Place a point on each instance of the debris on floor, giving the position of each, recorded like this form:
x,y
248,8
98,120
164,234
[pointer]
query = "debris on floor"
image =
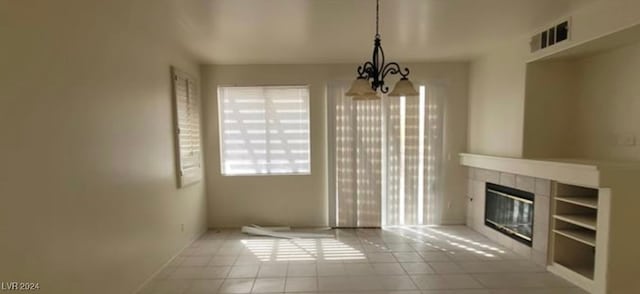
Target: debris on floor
x,y
283,232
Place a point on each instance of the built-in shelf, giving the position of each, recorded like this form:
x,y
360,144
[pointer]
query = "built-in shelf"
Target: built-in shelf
x,y
575,225
578,275
584,220
585,271
574,255
585,236
589,202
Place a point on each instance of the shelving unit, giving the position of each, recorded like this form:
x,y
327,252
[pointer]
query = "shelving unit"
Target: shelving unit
x,y
574,227
575,256
587,221
585,236
590,202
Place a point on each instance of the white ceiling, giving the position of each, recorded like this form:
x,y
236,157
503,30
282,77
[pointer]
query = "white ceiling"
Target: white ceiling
x,y
335,31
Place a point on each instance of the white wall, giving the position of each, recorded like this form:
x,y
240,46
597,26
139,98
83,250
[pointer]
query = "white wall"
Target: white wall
x,y
609,103
584,107
496,102
303,200
497,79
88,193
551,109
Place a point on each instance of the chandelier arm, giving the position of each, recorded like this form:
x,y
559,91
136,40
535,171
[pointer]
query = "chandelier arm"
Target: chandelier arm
x,y
394,68
364,70
404,73
360,72
391,68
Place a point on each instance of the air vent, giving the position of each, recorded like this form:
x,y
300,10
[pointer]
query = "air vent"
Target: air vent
x,y
550,37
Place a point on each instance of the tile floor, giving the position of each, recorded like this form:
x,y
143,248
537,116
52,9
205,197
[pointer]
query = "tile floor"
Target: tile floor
x,y
407,260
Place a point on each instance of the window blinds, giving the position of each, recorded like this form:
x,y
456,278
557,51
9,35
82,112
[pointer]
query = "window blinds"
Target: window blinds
x,y
187,124
264,130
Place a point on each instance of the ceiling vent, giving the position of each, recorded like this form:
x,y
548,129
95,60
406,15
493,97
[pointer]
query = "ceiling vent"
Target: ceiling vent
x,y
551,36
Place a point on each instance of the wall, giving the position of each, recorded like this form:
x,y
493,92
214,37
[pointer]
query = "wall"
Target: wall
x,y
303,200
608,105
550,109
497,78
496,102
584,107
88,183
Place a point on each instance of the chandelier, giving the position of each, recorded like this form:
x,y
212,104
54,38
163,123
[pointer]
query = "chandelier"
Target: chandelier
x,y
371,74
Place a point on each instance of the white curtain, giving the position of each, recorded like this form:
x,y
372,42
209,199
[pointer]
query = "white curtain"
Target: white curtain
x,y
413,158
434,96
387,158
357,163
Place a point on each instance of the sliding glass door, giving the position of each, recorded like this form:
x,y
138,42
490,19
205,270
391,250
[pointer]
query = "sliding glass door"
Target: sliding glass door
x,y
384,158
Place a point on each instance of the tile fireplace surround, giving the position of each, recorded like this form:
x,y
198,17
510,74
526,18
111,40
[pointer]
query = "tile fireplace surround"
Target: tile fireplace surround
x,y
593,203
541,188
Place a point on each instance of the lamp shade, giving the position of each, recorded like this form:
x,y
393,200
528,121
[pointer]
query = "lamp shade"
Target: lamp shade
x,y
404,87
375,96
360,88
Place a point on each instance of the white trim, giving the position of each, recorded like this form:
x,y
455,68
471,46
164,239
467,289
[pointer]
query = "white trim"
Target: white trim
x,y
602,241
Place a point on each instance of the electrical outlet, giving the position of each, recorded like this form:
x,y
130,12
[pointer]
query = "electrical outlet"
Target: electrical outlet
x,y
627,140
181,227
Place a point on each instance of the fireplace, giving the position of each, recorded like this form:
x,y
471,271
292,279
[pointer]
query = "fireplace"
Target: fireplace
x,y
509,211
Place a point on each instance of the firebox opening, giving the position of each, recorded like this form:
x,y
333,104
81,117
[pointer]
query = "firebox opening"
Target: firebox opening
x,y
510,211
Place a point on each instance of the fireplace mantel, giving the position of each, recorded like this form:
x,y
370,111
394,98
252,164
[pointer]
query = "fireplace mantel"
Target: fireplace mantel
x,y
580,172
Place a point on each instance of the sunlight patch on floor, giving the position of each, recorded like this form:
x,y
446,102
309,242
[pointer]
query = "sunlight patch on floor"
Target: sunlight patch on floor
x,y
457,241
302,250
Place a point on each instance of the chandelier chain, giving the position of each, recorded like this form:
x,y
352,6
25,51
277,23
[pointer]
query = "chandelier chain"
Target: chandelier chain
x,y
377,18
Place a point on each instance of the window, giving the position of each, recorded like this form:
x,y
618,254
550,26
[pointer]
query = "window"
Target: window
x,y
187,124
264,130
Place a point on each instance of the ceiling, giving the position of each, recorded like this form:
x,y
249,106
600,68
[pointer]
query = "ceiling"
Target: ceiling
x,y
338,31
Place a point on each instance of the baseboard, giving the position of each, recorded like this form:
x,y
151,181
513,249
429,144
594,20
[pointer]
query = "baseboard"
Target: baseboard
x,y
238,227
453,222
150,278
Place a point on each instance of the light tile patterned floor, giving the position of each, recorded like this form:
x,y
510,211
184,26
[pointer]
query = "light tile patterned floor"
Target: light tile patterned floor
x,y
407,260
